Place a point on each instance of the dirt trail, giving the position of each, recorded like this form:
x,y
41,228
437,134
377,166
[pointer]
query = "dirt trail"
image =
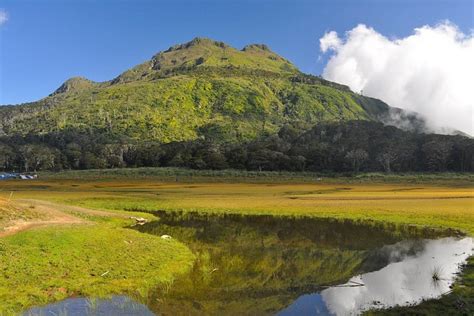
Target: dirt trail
x,y
71,208
51,214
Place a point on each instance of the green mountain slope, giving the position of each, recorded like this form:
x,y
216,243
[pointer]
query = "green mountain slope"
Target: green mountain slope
x,y
195,90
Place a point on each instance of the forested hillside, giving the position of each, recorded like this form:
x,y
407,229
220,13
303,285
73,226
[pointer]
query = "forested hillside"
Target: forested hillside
x,y
204,104
327,147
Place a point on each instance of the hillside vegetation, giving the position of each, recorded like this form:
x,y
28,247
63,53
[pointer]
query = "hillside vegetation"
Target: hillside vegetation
x,y
192,90
206,105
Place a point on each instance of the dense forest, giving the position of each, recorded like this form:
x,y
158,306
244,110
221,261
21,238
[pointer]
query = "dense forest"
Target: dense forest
x,y
352,146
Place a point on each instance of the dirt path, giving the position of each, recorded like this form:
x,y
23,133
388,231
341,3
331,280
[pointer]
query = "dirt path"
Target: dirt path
x,y
70,208
51,214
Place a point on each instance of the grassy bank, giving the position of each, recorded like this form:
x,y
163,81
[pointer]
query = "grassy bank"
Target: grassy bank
x,y
94,259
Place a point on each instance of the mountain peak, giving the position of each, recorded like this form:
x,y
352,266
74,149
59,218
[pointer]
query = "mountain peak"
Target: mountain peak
x,y
74,84
203,52
206,52
198,42
256,47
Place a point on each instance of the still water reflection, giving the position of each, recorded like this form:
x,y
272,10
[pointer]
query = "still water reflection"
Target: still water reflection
x,y
116,305
265,265
400,283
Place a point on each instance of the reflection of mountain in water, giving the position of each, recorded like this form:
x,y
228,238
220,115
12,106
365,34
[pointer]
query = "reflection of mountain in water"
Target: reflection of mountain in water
x,y
261,264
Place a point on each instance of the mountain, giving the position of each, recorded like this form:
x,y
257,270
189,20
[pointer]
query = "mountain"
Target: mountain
x,y
195,90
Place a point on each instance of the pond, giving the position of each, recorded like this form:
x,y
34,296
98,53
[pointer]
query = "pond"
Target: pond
x,y
267,265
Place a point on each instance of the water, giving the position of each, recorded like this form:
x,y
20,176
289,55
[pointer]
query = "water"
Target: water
x,y
116,306
264,265
400,283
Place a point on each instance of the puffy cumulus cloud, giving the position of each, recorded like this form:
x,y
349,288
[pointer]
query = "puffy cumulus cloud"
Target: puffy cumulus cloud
x,y
329,41
430,72
3,16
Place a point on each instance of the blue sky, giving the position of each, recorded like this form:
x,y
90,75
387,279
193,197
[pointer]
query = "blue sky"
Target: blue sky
x,y
43,42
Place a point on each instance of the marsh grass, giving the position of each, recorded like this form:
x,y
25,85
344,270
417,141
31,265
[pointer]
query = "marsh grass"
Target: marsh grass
x,y
436,274
440,205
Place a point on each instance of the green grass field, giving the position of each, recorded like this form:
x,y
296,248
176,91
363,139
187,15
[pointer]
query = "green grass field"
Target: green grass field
x,y
50,263
95,256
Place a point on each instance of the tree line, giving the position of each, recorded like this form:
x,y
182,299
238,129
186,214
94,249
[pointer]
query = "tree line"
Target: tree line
x,y
352,146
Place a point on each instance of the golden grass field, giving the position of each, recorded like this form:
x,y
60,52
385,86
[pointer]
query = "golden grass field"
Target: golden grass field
x,y
422,204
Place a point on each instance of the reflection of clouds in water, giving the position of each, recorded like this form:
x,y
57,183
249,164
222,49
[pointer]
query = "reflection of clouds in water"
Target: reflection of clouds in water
x,y
399,283
404,282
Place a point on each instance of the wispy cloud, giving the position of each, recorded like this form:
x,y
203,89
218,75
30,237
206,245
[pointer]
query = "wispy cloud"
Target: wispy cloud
x,y
430,71
3,17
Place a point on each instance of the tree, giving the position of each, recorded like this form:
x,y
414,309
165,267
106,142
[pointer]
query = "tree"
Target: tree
x,y
436,154
297,163
386,158
73,155
114,154
237,156
356,157
6,156
37,157
214,158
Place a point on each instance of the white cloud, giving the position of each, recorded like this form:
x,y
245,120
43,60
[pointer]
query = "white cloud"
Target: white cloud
x,y
430,71
3,16
329,41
